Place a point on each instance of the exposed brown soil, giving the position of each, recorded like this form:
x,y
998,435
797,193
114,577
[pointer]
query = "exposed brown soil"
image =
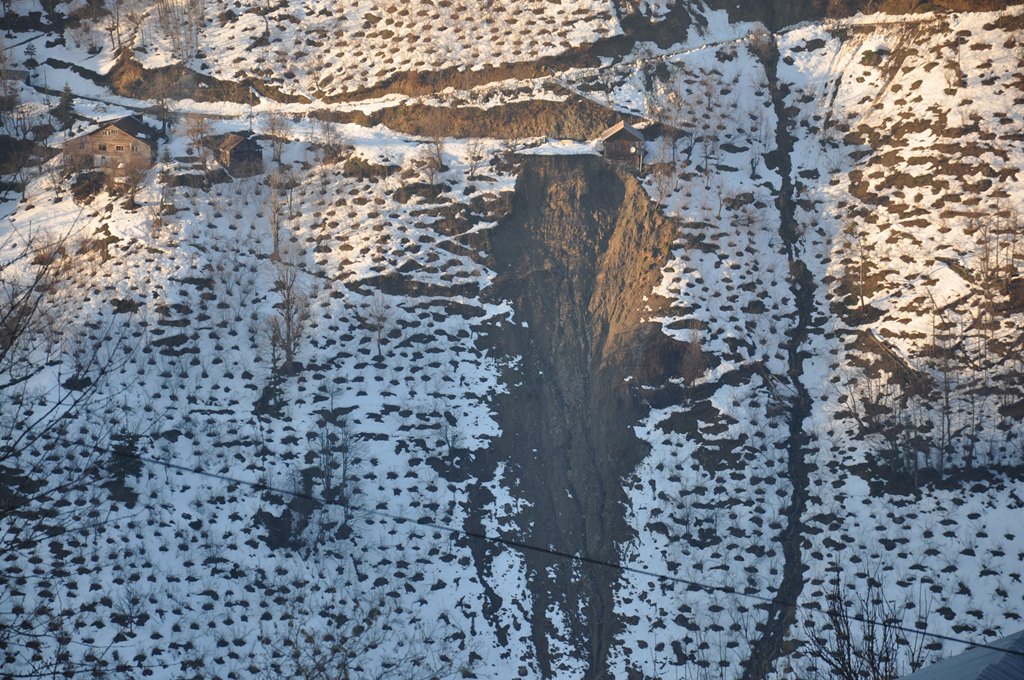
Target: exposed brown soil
x,y
575,118
130,79
418,83
580,252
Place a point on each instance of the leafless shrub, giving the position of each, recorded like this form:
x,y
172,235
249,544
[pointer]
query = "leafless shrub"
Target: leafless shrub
x,y
863,636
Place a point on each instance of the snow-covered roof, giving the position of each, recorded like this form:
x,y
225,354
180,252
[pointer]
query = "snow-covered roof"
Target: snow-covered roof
x,y
132,125
980,663
622,126
234,139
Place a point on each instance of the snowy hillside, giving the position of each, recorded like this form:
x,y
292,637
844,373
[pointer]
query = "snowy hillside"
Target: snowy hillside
x,y
385,388
431,396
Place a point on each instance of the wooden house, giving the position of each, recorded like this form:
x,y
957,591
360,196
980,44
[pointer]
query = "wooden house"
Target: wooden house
x,y
241,155
623,143
116,146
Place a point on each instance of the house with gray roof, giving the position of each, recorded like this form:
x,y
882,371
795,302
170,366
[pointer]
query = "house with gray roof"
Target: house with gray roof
x,y
980,663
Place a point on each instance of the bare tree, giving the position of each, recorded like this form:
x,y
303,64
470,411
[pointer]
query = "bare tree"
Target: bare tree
x,y
477,152
433,159
451,434
133,14
128,181
860,254
942,359
694,361
114,24
379,315
6,90
197,128
161,89
337,456
129,609
277,129
316,72
288,322
48,469
1013,227
180,21
324,141
275,212
86,36
290,180
864,636
371,637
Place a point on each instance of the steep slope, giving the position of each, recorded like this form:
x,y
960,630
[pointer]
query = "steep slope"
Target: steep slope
x,y
865,410
710,502
577,258
363,46
780,615
907,211
776,372
261,518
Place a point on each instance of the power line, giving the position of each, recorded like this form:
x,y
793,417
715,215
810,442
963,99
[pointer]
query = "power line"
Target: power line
x,y
577,557
528,547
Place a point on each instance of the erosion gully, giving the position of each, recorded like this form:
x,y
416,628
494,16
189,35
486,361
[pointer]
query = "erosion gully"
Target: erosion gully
x,y
766,649
578,258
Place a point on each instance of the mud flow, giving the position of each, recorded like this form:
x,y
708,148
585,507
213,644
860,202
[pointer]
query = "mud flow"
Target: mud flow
x,y
578,258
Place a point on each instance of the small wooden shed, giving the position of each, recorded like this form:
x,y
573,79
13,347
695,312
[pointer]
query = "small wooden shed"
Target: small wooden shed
x,y
241,155
623,143
115,146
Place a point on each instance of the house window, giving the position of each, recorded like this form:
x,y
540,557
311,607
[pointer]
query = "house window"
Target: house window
x,y
103,147
135,147
119,147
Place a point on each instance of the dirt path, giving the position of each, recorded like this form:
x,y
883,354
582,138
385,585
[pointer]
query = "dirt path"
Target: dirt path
x,y
577,257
